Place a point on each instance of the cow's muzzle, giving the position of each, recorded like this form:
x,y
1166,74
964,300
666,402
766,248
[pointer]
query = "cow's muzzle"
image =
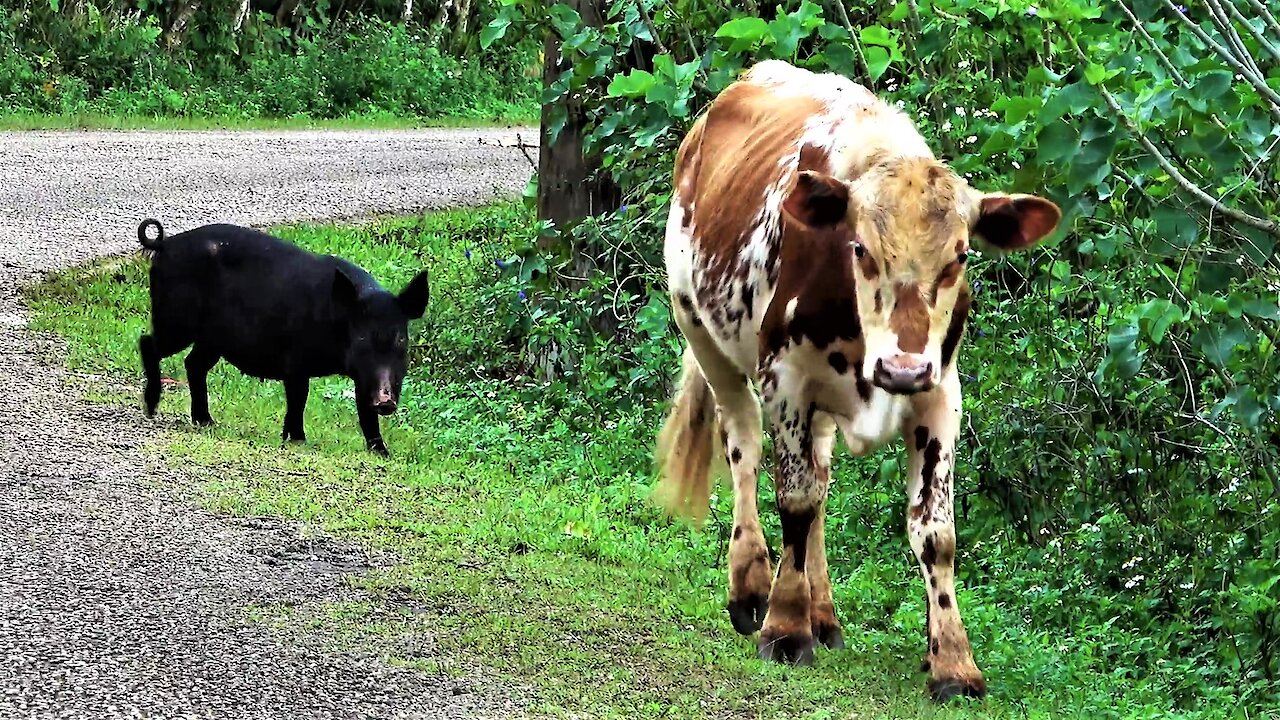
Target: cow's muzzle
x,y
903,374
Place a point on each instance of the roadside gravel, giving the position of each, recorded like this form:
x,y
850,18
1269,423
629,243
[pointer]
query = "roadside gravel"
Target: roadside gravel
x,y
118,598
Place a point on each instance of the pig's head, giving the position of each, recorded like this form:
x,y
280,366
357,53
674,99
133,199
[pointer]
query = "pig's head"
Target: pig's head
x,y
378,347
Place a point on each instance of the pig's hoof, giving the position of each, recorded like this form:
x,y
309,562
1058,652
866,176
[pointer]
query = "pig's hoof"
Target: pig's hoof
x,y
205,421
378,447
288,437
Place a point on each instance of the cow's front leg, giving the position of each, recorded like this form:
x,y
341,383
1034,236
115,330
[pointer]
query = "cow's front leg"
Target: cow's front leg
x,y
826,627
801,485
931,440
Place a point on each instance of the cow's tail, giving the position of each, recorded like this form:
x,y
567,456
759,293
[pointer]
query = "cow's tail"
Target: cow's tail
x,y
148,242
688,445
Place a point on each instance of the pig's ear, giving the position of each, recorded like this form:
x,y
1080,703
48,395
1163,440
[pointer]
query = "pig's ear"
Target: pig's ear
x,y
345,292
413,299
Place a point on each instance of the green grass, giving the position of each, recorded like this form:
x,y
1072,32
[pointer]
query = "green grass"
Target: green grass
x,y
96,121
528,544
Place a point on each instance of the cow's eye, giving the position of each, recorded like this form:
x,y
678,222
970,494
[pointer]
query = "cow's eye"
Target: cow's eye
x,y
859,250
963,257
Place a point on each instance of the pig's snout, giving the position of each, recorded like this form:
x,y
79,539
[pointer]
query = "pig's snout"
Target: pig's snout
x,y
384,401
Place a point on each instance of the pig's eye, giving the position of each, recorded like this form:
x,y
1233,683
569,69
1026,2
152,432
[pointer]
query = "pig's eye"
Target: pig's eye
x,y
400,340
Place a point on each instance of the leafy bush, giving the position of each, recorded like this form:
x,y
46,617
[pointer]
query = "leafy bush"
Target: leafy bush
x,y
1119,469
115,64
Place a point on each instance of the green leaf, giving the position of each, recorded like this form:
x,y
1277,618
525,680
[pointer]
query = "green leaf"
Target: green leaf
x,y
1095,73
1262,308
1213,85
877,35
493,31
1059,141
1156,316
53,5
636,83
745,32
1216,342
877,61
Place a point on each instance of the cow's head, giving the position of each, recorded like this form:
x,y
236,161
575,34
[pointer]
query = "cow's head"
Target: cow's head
x,y
909,224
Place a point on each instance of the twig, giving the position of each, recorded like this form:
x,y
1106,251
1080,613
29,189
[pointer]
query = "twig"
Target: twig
x,y
1268,226
1164,59
1266,15
853,35
653,29
1228,31
524,150
1263,89
1257,35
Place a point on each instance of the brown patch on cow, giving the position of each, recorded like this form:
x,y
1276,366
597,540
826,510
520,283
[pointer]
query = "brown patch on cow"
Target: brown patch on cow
x,y
922,436
932,456
816,270
879,302
815,158
955,328
737,532
933,646
744,121
944,601
910,318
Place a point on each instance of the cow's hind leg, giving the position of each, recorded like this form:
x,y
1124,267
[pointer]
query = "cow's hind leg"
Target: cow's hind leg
x,y
738,411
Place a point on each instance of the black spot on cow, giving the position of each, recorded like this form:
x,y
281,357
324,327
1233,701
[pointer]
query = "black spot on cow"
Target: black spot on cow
x,y
864,388
934,645
932,455
922,436
879,301
736,456
839,362
737,532
944,601
686,302
955,328
930,554
795,533
748,298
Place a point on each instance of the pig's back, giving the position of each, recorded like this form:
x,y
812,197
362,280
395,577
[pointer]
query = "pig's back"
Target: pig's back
x,y
263,304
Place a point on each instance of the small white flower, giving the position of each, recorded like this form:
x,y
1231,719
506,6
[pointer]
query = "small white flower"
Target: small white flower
x,y
946,126
963,64
1187,585
1016,166
960,111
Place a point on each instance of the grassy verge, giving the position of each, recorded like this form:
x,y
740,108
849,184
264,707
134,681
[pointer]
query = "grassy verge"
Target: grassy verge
x,y
94,121
520,512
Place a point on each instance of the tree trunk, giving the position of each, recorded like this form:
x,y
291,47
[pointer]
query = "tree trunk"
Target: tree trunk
x,y
406,12
286,11
569,184
460,26
436,29
177,32
242,14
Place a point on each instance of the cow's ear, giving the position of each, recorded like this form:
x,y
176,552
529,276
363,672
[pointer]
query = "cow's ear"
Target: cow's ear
x,y
1015,222
817,200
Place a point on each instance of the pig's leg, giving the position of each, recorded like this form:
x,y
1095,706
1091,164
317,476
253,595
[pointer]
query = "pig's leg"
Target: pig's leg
x,y
295,395
369,426
199,362
153,349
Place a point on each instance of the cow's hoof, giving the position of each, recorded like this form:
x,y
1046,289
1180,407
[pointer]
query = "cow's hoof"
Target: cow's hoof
x,y
747,614
943,690
830,636
793,649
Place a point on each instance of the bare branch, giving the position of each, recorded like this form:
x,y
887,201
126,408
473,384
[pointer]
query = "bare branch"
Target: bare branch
x,y
524,150
1228,31
1164,59
653,29
1272,98
1268,226
1266,15
853,35
1257,35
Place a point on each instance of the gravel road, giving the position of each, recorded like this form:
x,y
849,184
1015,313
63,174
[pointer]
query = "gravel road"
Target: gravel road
x,y
118,598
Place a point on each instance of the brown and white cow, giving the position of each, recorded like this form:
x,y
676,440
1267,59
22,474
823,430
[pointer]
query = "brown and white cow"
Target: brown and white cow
x,y
816,248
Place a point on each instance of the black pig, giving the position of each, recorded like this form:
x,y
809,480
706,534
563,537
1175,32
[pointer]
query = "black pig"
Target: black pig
x,y
278,312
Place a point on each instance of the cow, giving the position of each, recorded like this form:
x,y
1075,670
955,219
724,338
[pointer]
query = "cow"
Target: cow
x,y
815,253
